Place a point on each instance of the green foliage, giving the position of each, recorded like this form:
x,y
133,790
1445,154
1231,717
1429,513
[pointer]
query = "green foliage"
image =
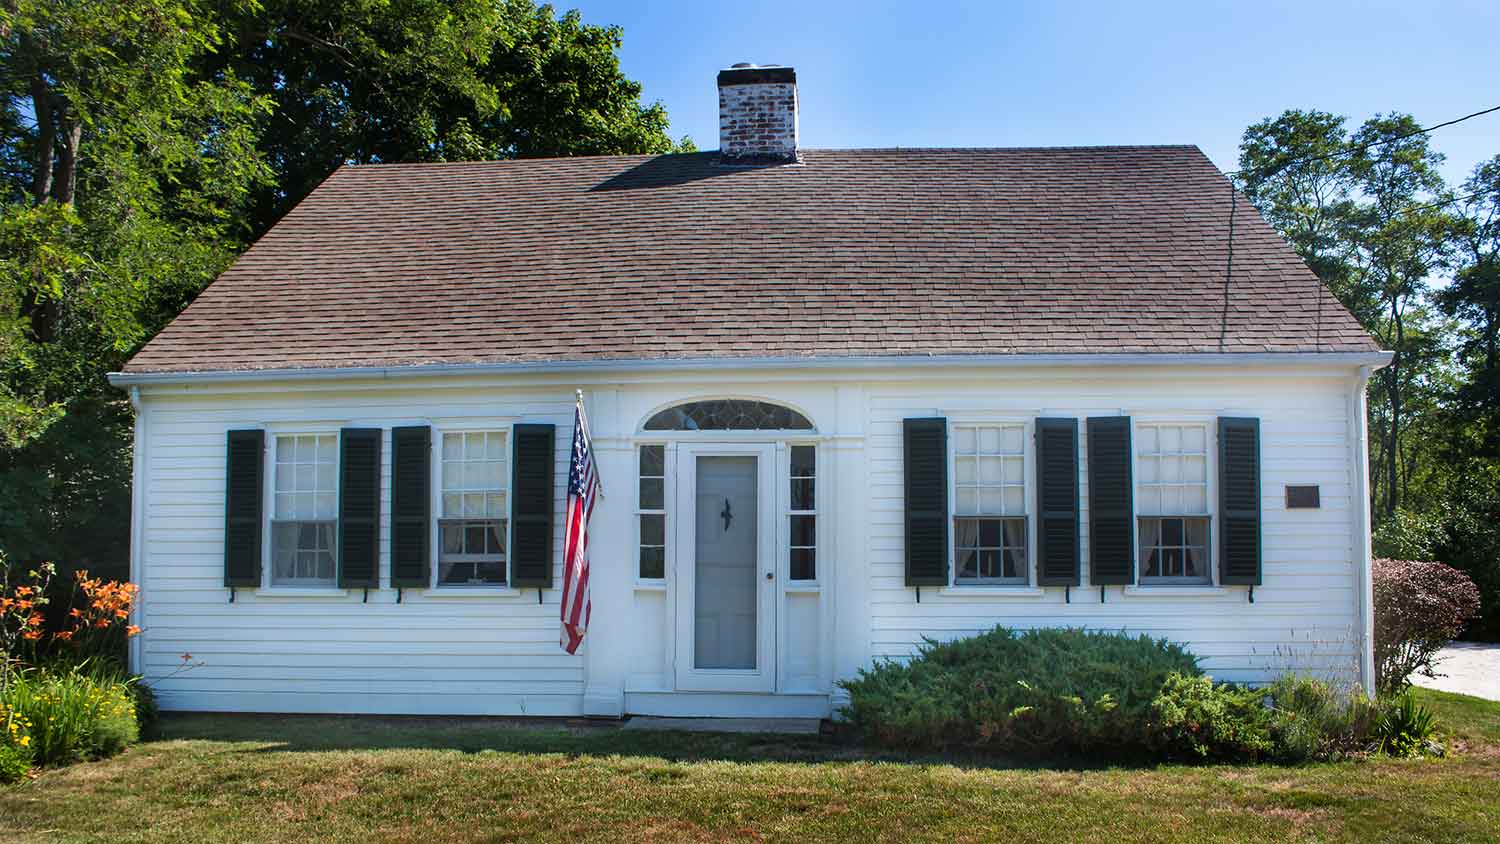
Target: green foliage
x,y
15,764
73,713
1026,692
1313,720
1406,535
1405,727
361,81
1195,718
147,711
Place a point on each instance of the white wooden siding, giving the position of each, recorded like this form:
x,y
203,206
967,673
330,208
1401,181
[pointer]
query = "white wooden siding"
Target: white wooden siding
x,y
498,654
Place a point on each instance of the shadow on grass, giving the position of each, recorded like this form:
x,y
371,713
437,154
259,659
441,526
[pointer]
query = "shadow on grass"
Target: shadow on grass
x,y
567,737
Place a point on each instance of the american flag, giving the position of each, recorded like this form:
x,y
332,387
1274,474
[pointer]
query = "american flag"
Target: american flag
x,y
583,488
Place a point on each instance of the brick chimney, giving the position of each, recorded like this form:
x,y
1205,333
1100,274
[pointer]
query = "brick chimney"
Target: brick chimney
x,y
758,114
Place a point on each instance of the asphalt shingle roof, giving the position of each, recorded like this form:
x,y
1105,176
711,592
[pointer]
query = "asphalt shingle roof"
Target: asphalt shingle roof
x,y
851,253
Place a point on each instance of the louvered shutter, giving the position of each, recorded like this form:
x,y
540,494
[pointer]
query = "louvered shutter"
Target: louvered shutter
x,y
532,505
243,507
411,506
1239,501
359,508
1057,502
926,469
1111,502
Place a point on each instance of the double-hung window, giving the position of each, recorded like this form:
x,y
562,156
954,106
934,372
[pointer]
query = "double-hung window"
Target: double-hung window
x,y
989,490
1172,503
472,520
304,520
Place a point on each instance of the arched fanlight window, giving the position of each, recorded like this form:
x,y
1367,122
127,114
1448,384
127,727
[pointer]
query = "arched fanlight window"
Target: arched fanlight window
x,y
728,415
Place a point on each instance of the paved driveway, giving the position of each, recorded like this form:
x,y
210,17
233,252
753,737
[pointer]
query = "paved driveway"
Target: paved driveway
x,y
1472,668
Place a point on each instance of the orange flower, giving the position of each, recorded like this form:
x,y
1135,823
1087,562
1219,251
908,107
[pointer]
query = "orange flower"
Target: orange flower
x,y
132,630
23,591
35,620
121,613
186,657
102,623
24,605
76,612
31,635
64,635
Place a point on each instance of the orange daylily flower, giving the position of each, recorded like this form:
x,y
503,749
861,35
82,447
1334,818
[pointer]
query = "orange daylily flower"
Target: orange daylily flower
x,y
31,635
132,630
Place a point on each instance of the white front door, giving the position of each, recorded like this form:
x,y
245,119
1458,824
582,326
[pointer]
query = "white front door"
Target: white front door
x,y
726,568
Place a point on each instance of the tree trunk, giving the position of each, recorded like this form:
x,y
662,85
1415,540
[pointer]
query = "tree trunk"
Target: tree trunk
x,y
1393,395
41,104
66,183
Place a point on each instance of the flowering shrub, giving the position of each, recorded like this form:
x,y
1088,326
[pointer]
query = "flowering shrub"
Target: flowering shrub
x,y
71,713
1419,608
76,705
15,744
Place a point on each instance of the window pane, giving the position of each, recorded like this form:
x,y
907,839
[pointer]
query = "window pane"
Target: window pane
x,y
804,564
989,533
453,539
968,563
802,494
653,530
728,415
474,538
1015,563
494,446
653,563
804,531
966,533
989,440
1153,564
989,563
804,461
495,543
652,493
653,460
965,440
452,505
453,446
967,501
1171,531
963,470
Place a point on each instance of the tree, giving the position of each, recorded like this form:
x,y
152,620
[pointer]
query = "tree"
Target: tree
x,y
1474,298
1400,237
362,81
123,184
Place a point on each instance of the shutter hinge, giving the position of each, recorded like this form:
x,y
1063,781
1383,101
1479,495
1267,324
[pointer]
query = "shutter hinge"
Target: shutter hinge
x,y
231,594
1067,593
1252,593
1102,590
919,594
539,596
399,590
367,596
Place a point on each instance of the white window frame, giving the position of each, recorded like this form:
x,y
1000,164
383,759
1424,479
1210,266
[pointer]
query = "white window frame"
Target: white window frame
x,y
1211,495
434,581
664,512
1027,424
268,503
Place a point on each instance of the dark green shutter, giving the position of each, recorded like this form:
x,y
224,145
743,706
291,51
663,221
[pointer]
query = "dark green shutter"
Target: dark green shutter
x,y
532,468
243,507
1239,501
359,508
1111,499
411,506
926,469
1057,500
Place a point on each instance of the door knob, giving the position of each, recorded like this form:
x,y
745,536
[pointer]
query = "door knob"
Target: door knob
x,y
770,575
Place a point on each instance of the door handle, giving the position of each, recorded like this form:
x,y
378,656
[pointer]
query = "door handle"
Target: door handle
x,y
770,575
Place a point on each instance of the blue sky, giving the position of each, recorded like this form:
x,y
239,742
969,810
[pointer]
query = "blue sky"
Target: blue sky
x,y
883,74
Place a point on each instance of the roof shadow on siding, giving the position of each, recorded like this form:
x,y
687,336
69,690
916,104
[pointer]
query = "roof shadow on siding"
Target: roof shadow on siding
x,y
673,169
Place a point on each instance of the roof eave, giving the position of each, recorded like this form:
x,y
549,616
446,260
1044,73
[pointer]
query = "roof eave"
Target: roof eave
x,y
1371,359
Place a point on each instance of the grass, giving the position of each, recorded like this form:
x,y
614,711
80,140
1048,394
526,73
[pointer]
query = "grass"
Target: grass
x,y
248,779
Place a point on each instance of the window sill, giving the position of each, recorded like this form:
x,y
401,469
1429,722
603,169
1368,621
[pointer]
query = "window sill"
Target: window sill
x,y
1167,590
650,586
992,591
463,592
795,587
301,592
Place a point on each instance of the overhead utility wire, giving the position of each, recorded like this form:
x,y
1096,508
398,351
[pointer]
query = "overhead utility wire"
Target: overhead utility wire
x,y
1356,148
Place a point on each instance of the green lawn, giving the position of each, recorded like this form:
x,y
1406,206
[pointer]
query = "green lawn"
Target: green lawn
x,y
303,779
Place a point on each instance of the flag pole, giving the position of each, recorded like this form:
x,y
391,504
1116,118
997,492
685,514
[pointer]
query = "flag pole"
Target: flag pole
x,y
583,415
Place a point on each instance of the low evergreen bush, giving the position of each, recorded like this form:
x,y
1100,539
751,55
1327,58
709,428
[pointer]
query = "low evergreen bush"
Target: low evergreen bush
x,y
1196,719
1031,692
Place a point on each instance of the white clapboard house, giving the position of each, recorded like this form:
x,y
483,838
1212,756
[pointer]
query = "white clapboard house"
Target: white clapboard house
x,y
841,400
